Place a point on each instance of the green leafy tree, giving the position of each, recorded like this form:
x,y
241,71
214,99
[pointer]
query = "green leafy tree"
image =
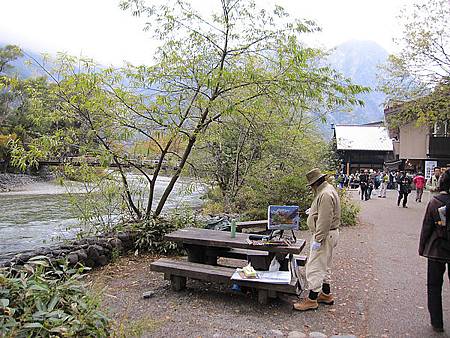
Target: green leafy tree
x,y
206,70
15,122
8,54
418,77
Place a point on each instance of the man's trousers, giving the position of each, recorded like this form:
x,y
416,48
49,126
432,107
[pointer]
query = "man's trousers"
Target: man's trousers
x,y
404,196
318,266
419,192
435,279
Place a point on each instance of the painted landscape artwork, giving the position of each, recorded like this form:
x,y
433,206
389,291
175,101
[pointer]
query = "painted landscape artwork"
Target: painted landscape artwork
x,y
283,217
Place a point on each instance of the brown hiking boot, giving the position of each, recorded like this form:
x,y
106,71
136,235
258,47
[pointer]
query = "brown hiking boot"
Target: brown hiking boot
x,y
306,304
325,299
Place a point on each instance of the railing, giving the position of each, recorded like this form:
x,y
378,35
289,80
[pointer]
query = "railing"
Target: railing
x,y
94,162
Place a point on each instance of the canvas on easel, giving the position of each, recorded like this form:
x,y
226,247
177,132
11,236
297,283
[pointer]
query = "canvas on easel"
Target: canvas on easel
x,y
283,217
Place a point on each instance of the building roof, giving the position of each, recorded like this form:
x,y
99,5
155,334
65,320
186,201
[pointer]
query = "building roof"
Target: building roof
x,y
363,137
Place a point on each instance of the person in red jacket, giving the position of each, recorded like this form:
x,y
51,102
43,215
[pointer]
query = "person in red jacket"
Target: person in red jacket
x,y
419,182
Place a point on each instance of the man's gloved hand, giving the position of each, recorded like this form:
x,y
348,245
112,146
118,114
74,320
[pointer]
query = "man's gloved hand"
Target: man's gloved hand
x,y
315,245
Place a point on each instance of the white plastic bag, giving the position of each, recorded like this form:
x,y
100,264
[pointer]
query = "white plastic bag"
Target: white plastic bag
x,y
274,265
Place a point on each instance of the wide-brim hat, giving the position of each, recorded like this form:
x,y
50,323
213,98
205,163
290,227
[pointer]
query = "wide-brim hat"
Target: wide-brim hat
x,y
313,176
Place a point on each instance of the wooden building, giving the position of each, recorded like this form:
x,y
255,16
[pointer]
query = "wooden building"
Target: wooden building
x,y
366,146
420,148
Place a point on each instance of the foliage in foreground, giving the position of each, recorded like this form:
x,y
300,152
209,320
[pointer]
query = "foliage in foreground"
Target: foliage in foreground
x,y
349,209
41,299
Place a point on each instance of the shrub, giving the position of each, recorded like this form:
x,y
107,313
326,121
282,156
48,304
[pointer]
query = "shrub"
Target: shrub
x,y
277,189
349,209
150,233
41,299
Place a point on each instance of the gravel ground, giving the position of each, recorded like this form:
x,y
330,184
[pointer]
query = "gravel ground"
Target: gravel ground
x,y
379,285
398,305
11,182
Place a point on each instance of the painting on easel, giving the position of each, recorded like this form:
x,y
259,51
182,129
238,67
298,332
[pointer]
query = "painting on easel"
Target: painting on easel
x,y
283,217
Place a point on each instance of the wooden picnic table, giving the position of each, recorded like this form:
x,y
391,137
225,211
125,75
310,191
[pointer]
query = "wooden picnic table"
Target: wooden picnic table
x,y
205,246
205,238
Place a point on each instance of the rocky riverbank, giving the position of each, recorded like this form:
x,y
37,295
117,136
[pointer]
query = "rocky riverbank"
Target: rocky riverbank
x,y
11,182
92,252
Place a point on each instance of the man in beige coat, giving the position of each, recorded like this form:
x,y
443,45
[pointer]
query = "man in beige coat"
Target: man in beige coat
x,y
323,220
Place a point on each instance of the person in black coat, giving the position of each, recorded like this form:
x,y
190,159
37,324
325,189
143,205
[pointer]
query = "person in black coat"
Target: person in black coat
x,y
364,184
435,245
404,188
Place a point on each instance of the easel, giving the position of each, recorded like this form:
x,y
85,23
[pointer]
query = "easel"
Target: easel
x,y
280,232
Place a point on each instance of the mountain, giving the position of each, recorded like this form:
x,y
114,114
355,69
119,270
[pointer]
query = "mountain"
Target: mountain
x,y
359,61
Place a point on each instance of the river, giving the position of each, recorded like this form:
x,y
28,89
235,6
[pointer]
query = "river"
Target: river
x,y
39,214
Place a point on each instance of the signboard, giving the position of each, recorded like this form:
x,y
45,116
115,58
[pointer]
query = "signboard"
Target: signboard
x,y
283,217
429,168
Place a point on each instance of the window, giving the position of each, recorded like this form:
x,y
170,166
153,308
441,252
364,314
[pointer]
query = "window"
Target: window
x,y
441,129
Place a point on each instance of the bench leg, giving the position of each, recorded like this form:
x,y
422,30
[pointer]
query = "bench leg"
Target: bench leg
x,y
263,296
196,254
178,283
211,256
259,262
211,259
272,294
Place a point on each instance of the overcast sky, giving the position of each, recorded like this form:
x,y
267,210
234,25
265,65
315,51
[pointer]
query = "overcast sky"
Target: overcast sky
x,y
99,29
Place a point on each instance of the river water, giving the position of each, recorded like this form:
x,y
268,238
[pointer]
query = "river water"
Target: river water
x,y
40,214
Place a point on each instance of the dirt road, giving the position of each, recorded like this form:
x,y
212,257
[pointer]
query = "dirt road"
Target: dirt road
x,y
397,304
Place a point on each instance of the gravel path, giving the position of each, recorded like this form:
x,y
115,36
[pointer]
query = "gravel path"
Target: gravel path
x,y
379,284
397,305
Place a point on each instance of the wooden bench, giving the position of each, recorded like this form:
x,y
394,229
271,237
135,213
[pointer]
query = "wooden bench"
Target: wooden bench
x,y
251,224
177,271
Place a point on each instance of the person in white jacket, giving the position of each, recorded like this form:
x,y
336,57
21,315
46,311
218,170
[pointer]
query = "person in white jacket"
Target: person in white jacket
x,y
433,183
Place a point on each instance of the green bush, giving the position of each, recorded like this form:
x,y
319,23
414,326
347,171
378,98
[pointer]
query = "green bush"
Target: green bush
x,y
150,233
41,299
349,209
277,189
289,190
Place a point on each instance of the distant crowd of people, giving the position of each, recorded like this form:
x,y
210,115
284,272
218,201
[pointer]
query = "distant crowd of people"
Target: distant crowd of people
x,y
368,180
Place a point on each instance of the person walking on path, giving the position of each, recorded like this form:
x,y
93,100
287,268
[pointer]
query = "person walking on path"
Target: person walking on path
x,y
384,178
364,184
370,186
377,181
404,188
435,245
432,183
323,221
419,182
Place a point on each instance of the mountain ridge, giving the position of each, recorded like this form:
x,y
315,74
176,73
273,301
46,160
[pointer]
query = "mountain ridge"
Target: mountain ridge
x,y
359,60
355,59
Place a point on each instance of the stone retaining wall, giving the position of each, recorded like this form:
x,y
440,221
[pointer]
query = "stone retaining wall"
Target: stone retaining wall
x,y
92,252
